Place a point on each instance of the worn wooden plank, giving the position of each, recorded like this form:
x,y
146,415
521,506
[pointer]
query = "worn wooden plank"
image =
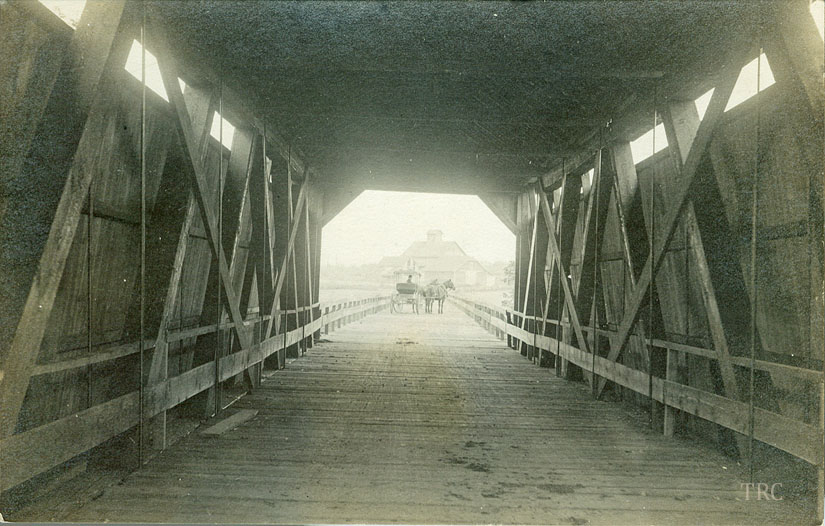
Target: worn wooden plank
x,y
681,123
533,214
29,453
83,359
625,185
229,423
241,164
584,280
292,251
788,372
308,269
549,278
569,204
200,107
261,242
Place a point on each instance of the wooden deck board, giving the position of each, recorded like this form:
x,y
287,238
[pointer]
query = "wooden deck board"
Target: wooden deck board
x,y
427,419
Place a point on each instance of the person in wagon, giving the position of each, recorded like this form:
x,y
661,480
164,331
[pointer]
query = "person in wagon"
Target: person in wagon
x,y
409,278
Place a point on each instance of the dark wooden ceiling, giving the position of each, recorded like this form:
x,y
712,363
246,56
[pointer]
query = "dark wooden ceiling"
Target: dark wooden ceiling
x,y
403,94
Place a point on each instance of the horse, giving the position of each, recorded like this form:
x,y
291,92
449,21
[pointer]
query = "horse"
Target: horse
x,y
437,292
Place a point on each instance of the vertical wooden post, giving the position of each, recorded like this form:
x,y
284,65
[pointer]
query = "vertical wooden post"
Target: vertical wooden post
x,y
200,105
566,233
671,376
529,281
681,122
308,278
820,485
142,328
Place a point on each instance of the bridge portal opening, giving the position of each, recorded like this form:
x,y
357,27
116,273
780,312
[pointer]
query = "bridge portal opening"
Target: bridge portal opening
x,y
383,238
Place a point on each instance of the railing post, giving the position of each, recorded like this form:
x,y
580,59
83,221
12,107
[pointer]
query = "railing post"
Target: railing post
x,y
669,412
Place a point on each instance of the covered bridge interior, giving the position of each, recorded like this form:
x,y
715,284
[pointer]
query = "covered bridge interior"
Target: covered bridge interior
x,y
166,169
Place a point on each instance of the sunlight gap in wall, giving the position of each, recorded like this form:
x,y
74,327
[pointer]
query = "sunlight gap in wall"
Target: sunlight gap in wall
x,y
153,79
228,131
68,11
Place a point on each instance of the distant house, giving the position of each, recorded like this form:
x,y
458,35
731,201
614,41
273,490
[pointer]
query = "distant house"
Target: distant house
x,y
437,259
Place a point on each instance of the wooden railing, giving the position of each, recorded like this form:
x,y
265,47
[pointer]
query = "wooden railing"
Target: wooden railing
x,y
29,453
798,438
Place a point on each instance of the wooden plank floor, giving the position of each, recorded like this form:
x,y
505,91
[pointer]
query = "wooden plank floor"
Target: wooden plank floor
x,y
428,419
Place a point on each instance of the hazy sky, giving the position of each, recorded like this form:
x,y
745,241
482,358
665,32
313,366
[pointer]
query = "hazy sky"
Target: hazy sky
x,y
378,224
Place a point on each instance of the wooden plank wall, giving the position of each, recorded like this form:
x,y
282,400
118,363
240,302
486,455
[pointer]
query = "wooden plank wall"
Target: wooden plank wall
x,y
696,337
82,378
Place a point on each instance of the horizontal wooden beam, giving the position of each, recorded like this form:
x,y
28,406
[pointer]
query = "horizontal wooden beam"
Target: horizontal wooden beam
x,y
422,180
538,73
480,155
790,372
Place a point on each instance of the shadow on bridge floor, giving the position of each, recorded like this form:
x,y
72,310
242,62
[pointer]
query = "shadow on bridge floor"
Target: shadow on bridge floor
x,y
428,419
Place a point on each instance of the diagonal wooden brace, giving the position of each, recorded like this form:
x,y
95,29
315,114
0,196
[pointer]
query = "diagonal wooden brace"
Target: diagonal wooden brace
x,y
299,206
565,281
703,135
194,168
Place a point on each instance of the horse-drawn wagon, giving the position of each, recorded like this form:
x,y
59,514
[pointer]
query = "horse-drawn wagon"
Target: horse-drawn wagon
x,y
406,292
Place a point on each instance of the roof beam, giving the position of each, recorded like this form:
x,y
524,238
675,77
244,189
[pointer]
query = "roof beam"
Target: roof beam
x,y
538,73
319,147
536,120
413,179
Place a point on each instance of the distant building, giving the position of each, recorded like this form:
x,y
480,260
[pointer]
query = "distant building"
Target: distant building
x,y
437,259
